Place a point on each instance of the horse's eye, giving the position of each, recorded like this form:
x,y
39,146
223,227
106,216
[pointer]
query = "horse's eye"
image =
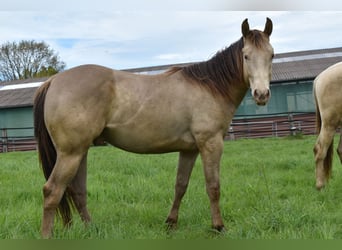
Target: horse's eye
x,y
272,56
246,57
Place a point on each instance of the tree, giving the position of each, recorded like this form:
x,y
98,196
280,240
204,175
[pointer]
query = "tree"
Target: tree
x,y
28,59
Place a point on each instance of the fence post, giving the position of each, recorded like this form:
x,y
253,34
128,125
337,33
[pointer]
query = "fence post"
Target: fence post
x,y
292,125
274,129
231,133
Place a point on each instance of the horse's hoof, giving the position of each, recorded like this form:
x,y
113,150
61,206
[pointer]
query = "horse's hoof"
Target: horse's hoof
x,y
219,229
319,186
171,224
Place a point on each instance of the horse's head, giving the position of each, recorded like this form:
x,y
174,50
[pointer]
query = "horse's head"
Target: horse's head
x,y
257,61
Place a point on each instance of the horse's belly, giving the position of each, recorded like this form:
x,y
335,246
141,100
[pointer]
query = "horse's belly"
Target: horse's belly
x,y
149,141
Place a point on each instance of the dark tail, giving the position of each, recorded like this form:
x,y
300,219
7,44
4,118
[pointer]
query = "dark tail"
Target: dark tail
x,y
329,157
46,149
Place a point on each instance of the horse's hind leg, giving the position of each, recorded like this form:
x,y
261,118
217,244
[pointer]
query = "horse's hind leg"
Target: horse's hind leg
x,y
339,148
323,144
185,165
78,190
64,171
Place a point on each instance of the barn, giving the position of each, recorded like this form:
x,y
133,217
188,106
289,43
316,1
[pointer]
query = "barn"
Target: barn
x,y
289,111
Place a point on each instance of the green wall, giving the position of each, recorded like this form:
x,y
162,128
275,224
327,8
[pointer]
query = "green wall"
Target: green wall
x,y
17,118
285,98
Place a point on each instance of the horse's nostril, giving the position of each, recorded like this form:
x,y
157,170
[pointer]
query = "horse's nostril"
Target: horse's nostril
x,y
267,93
256,93
261,95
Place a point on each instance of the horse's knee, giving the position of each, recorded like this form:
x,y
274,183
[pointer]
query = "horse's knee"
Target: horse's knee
x,y
318,152
49,200
46,190
52,196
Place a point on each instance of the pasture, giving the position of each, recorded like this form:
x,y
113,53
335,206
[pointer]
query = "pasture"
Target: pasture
x,y
267,192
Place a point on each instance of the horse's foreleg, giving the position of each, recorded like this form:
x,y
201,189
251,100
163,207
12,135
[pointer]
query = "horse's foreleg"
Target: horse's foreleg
x,y
64,171
185,165
322,145
78,191
211,153
339,149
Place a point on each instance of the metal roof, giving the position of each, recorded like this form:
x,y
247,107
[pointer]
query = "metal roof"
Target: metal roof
x,y
17,98
293,66
303,65
18,93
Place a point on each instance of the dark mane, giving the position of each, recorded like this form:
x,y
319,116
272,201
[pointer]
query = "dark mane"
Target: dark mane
x,y
220,72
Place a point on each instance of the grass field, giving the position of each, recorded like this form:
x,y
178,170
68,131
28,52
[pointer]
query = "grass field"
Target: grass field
x,y
267,192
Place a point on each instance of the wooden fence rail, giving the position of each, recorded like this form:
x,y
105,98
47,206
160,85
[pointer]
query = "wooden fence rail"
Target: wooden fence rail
x,y
276,126
9,142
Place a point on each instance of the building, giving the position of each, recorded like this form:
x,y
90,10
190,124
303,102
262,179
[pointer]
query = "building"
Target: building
x,y
291,88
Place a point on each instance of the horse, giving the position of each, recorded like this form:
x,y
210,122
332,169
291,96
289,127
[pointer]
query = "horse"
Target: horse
x,y
327,89
185,109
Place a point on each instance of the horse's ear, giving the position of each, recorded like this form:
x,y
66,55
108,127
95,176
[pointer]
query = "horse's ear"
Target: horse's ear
x,y
268,27
245,28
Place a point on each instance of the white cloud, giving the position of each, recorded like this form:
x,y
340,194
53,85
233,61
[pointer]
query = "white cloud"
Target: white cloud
x,y
128,39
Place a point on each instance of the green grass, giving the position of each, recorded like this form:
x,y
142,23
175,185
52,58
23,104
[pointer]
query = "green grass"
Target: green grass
x,y
267,192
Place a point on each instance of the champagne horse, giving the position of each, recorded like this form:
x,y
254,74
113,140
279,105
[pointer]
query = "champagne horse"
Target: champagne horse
x,y
327,92
186,110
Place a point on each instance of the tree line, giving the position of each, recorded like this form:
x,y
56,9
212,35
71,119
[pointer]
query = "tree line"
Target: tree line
x,y
28,59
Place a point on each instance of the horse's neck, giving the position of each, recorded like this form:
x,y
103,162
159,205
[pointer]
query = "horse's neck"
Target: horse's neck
x,y
239,91
223,74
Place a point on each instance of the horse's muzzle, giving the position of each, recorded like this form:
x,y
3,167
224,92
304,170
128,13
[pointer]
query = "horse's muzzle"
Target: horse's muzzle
x,y
261,97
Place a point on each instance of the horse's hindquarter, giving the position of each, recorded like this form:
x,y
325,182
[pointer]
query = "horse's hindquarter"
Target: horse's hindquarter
x,y
154,114
328,90
77,104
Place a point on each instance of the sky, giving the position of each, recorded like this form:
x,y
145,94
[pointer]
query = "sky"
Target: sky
x,y
150,33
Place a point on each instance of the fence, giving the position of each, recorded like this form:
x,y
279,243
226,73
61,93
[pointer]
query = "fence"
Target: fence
x,y
275,125
16,139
